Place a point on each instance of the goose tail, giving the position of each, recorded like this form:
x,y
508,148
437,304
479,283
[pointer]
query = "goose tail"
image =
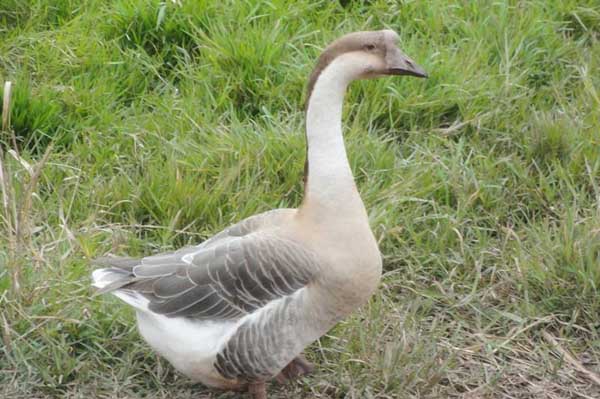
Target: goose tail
x,y
116,278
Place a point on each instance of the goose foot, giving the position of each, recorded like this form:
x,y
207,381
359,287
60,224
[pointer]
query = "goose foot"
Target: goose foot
x,y
257,390
295,369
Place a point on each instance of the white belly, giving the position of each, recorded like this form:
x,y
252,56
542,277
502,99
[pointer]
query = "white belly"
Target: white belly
x,y
190,346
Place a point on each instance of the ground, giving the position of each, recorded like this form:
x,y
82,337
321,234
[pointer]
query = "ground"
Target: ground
x,y
141,126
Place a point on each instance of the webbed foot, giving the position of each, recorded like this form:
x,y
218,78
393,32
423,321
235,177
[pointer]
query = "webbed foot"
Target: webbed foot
x,y
295,369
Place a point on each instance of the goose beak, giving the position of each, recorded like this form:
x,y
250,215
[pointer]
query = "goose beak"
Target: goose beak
x,y
400,64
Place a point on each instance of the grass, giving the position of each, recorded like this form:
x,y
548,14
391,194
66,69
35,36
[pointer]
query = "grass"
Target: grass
x,y
164,122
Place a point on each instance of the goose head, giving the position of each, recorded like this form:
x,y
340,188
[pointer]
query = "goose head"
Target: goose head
x,y
366,55
358,55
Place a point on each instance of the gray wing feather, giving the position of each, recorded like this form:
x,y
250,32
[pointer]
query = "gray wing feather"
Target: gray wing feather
x,y
229,279
225,280
227,276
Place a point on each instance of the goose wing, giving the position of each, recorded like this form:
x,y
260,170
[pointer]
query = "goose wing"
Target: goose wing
x,y
230,278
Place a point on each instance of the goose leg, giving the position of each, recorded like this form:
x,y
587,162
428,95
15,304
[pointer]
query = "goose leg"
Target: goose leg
x,y
295,369
258,390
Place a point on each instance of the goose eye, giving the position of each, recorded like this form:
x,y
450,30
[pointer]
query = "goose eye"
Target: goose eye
x,y
369,47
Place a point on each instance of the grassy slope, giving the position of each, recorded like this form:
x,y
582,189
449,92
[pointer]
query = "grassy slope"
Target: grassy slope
x,y
170,122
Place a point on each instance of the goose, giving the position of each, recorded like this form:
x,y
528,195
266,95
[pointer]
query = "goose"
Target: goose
x,y
237,310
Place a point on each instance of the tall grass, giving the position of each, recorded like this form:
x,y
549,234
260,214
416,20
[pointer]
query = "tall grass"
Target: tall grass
x,y
156,124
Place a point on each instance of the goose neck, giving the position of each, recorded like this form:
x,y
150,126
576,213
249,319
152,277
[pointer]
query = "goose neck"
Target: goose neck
x,y
329,185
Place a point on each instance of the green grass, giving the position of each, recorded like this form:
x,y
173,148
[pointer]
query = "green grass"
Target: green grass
x,y
166,122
